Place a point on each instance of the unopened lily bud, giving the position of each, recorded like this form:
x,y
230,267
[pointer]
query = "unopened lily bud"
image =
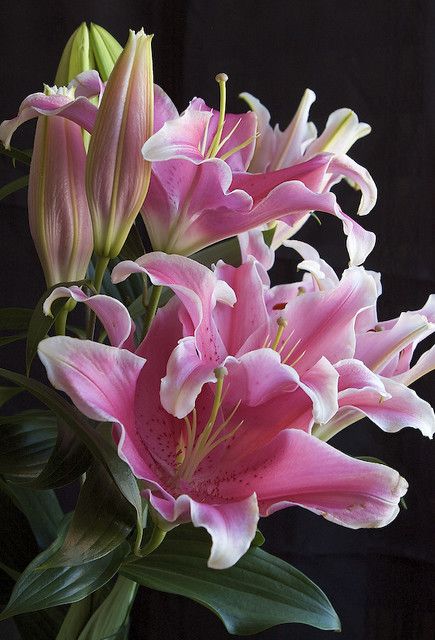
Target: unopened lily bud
x,y
105,48
117,176
88,48
76,57
59,217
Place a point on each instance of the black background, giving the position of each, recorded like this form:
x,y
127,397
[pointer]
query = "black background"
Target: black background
x,y
377,58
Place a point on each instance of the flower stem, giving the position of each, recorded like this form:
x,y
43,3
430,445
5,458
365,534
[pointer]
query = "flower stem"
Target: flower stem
x,y
156,539
152,306
60,322
100,270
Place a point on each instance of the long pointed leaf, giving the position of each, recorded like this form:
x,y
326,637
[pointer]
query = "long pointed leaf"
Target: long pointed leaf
x,y
41,509
259,592
15,185
102,450
39,588
26,444
101,521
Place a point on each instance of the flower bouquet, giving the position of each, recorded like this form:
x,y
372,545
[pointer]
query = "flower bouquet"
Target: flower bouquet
x,y
187,396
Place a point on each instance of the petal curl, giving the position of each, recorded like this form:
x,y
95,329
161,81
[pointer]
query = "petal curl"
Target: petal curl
x,y
113,315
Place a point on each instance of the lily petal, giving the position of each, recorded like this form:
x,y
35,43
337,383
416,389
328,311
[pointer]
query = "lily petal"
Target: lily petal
x,y
113,315
296,469
75,366
79,110
232,528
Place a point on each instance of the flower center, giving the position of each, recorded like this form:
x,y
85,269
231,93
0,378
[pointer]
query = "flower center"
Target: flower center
x,y
193,448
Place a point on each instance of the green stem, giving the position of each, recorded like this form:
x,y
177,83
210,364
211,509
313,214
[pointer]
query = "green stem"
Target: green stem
x,y
100,270
156,539
60,322
152,306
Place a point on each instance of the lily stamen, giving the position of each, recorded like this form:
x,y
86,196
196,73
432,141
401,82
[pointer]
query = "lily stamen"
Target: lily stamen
x,y
292,350
190,455
239,147
204,139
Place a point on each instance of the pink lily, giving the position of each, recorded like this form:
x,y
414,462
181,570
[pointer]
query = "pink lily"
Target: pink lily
x,y
385,351
319,333
374,383
276,149
234,457
200,191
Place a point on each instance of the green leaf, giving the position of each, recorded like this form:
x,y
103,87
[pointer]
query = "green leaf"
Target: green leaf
x,y
227,250
80,612
4,340
39,588
15,185
15,319
16,551
133,247
110,620
14,575
41,509
39,326
25,157
26,444
100,448
259,592
6,393
69,459
105,48
77,616
41,452
101,521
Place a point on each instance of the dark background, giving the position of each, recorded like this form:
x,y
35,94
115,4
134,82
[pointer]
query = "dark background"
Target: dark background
x,y
377,58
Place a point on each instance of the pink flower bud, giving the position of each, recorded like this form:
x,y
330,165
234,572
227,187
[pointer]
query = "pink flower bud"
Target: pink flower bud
x,y
117,176
59,218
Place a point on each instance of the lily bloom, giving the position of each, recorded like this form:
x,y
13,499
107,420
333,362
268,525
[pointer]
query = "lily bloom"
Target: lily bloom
x,y
320,333
276,149
201,190
375,382
242,448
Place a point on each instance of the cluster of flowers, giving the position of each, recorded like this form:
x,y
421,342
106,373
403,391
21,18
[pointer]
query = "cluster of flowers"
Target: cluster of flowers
x,y
224,409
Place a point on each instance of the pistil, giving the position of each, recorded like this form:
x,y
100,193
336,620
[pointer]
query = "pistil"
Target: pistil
x,y
217,143
282,323
221,79
191,450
